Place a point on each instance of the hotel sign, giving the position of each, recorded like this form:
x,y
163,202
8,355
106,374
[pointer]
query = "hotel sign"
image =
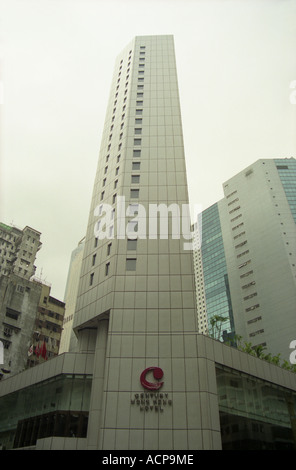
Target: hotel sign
x,y
152,399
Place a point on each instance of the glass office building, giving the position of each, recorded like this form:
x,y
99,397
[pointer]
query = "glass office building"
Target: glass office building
x,y
248,255
217,294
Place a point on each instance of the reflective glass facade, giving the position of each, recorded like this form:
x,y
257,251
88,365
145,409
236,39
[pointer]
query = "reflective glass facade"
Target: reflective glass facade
x,y
287,173
254,414
217,292
55,407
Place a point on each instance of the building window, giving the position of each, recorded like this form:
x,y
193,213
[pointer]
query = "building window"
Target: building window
x,y
137,153
91,279
107,269
100,209
11,313
239,235
254,294
133,209
136,166
139,103
134,194
131,264
117,171
138,130
249,285
258,332
249,309
109,248
132,228
137,141
232,202
135,179
241,244
131,245
139,112
246,274
235,209
244,264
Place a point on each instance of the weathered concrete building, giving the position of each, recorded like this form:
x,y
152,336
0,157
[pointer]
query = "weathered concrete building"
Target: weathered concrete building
x,y
19,300
18,249
47,332
30,318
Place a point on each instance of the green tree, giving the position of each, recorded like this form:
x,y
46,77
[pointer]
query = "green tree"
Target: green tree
x,y
216,322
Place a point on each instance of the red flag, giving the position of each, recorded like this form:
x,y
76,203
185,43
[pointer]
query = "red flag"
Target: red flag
x,y
43,350
37,350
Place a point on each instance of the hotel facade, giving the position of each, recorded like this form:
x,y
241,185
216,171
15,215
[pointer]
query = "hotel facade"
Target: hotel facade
x,y
141,377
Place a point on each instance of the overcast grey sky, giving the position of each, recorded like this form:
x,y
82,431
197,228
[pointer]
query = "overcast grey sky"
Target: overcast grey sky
x,y
236,62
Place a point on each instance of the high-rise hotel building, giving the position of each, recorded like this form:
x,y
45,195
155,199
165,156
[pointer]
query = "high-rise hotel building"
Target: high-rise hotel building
x,y
140,377
136,293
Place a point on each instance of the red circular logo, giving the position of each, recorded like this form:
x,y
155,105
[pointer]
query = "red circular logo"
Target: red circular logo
x,y
157,374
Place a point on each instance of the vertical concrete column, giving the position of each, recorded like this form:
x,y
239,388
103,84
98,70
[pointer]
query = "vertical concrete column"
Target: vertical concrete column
x,y
96,400
86,341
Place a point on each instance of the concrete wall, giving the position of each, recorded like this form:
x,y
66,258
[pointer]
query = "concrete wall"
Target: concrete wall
x,y
269,236
22,296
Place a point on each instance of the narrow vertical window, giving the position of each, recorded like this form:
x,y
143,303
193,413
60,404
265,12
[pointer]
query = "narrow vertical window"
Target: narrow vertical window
x,y
131,264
